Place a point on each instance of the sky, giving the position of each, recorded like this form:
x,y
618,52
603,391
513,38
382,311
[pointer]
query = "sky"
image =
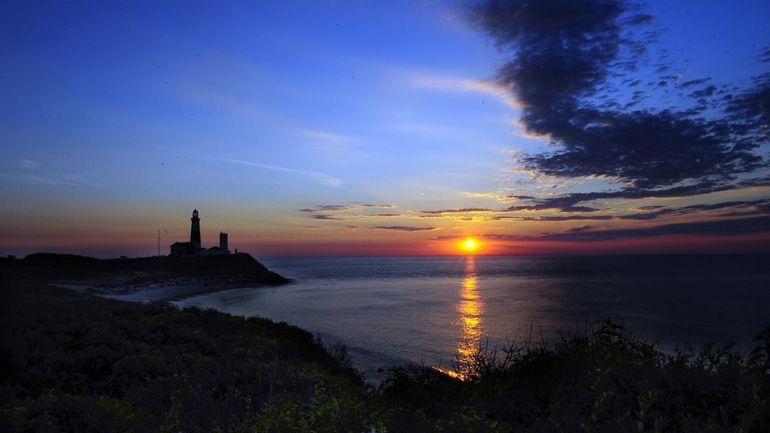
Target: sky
x,y
386,128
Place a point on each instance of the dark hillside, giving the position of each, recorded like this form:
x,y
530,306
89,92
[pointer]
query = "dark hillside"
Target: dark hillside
x,y
79,363
125,275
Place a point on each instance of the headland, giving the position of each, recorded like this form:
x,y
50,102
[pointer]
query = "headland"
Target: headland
x,y
168,277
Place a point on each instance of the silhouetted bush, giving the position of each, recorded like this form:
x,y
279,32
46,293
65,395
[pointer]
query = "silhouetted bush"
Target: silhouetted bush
x,y
605,380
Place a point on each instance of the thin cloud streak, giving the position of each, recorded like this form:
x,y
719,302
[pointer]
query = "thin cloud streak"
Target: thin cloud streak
x,y
328,137
732,227
28,164
345,207
487,87
754,225
60,180
322,177
743,207
406,228
325,217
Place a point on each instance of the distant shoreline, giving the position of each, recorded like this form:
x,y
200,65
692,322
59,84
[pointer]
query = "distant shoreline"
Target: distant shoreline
x,y
147,279
155,293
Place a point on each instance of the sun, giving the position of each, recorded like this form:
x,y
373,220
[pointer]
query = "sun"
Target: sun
x,y
469,245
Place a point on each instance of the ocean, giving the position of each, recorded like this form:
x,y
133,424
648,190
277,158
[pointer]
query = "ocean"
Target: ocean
x,y
389,311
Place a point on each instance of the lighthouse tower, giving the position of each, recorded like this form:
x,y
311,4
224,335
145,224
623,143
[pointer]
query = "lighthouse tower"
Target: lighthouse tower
x,y
223,243
195,230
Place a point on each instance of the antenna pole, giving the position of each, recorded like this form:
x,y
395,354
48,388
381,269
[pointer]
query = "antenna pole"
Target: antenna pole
x,y
158,242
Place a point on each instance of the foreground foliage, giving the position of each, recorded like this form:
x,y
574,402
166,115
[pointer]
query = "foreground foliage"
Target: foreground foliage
x,y
604,381
85,364
79,363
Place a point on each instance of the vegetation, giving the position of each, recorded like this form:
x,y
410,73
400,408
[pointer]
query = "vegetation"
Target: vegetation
x,y
82,363
604,381
79,363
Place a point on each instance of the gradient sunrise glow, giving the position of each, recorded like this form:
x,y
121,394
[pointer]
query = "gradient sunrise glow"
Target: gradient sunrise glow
x,y
383,128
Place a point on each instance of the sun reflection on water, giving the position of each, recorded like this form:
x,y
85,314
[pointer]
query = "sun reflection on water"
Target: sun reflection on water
x,y
470,308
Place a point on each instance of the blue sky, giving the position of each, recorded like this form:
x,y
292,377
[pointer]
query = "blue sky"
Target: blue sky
x,y
131,114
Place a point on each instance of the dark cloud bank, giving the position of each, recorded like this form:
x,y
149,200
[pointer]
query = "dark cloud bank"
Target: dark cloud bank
x,y
576,66
582,73
565,57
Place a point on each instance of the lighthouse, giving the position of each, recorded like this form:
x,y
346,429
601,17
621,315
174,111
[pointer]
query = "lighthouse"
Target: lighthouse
x,y
194,248
223,243
195,230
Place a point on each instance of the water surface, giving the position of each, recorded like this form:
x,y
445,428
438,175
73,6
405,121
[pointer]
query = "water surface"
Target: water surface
x,y
436,310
